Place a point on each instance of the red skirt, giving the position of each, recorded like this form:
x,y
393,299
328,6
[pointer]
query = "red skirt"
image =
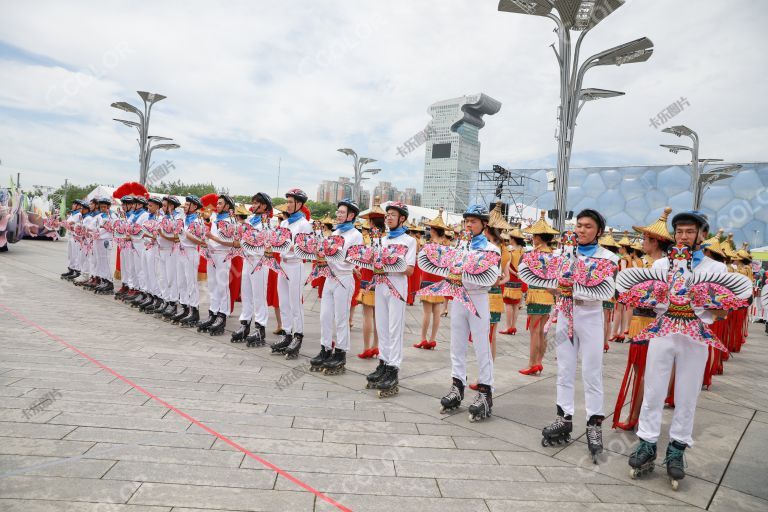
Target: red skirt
x,y
235,273
356,292
414,283
632,382
273,301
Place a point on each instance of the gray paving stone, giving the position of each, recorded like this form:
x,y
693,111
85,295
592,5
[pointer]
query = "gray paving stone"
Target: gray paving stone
x,y
425,454
474,472
172,495
34,430
167,455
260,446
232,418
192,475
364,484
25,465
174,424
534,506
318,412
533,491
360,438
355,426
45,447
325,464
629,494
746,471
260,431
727,500
12,505
72,489
115,435
389,503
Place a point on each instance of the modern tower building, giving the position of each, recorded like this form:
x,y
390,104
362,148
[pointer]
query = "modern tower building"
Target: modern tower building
x,y
453,150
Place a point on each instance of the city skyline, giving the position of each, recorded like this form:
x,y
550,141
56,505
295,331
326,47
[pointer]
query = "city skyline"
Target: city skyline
x,y
360,76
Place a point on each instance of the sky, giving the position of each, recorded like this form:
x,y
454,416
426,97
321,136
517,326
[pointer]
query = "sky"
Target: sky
x,y
253,83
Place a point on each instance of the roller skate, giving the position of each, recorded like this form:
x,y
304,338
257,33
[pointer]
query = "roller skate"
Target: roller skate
x,y
203,325
387,384
595,436
675,461
292,350
69,273
218,325
242,332
481,407
257,339
335,364
643,459
316,363
280,346
559,430
191,319
454,397
373,377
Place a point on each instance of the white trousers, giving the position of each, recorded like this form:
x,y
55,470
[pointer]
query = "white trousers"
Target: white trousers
x,y
462,324
390,320
587,339
186,276
218,282
167,263
253,292
126,271
689,358
102,258
137,264
289,292
149,262
71,253
334,311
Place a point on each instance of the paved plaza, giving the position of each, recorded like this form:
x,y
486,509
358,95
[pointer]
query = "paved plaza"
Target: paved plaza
x,y
103,408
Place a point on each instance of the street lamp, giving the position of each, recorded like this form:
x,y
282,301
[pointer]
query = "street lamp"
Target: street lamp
x,y
142,126
577,15
359,162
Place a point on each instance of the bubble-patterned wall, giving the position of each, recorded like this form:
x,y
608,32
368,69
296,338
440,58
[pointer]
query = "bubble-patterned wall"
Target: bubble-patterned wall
x,y
630,196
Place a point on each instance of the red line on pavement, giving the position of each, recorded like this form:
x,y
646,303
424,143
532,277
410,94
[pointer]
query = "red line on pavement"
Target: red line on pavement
x,y
181,413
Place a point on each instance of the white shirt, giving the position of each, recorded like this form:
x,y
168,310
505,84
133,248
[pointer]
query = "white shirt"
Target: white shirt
x,y
101,219
409,242
186,242
351,237
300,226
212,244
707,265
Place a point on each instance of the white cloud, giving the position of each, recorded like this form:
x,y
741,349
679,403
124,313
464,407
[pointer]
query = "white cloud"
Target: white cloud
x,y
251,82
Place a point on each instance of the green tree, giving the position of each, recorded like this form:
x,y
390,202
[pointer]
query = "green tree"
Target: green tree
x,y
179,188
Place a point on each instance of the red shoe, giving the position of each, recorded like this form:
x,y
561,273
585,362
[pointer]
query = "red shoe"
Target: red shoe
x,y
375,352
606,347
619,339
366,354
669,403
626,425
626,333
540,367
613,338
473,387
533,370
431,345
511,331
423,344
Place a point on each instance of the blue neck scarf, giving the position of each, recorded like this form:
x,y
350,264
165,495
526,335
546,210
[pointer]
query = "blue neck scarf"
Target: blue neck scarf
x,y
255,220
152,216
478,242
191,217
73,212
394,233
588,250
697,258
345,226
222,216
295,216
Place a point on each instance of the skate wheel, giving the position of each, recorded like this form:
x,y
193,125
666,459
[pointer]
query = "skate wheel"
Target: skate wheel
x,y
471,418
594,459
544,442
633,473
675,484
380,394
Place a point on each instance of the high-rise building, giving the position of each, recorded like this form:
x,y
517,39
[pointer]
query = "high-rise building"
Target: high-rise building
x,y
387,192
452,156
330,191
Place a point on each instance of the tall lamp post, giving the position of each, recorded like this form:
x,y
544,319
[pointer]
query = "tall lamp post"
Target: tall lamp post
x,y
701,180
580,16
142,126
359,162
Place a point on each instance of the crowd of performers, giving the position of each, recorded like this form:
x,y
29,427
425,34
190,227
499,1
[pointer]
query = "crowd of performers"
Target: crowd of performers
x,y
681,298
